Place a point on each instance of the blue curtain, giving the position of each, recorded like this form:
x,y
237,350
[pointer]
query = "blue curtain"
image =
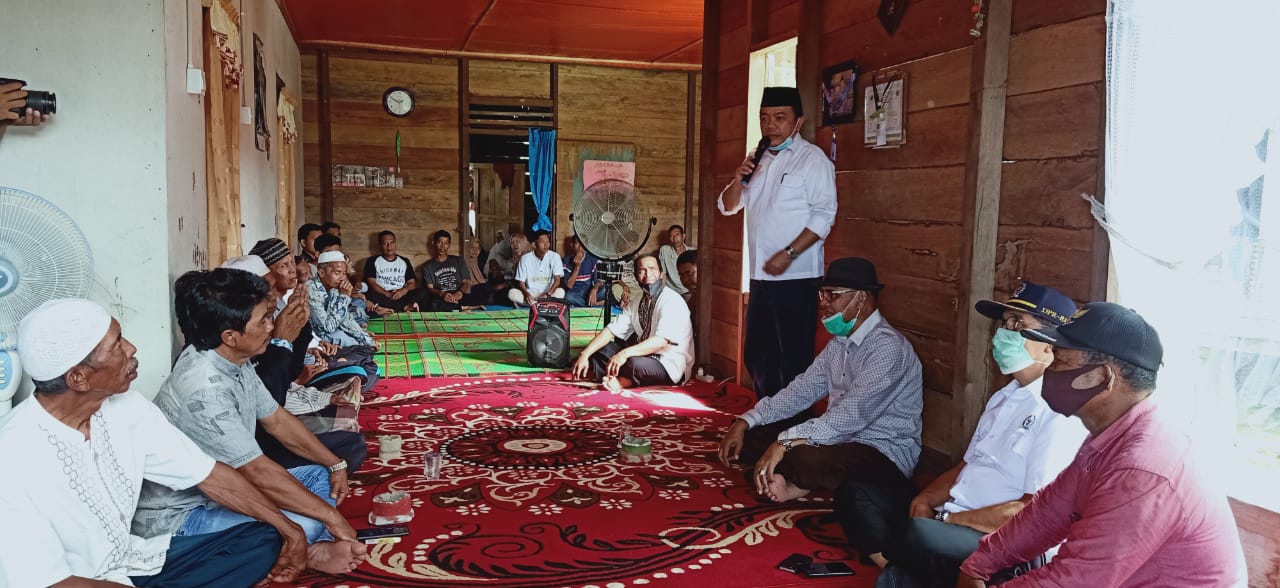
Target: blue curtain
x,y
542,169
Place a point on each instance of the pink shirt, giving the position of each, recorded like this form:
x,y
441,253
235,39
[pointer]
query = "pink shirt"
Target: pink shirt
x,y
1132,512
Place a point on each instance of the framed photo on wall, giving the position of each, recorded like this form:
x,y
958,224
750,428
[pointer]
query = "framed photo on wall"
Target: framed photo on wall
x,y
839,100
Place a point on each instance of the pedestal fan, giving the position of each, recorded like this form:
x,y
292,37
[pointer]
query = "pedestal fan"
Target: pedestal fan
x,y
43,256
608,220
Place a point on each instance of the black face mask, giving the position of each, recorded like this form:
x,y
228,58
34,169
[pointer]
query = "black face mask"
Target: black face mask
x,y
1061,394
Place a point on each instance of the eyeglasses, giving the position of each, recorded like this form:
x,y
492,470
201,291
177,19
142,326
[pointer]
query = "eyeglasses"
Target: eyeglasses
x,y
828,295
1012,323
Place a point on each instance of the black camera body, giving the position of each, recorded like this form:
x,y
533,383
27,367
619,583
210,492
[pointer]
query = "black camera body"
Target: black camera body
x,y
42,102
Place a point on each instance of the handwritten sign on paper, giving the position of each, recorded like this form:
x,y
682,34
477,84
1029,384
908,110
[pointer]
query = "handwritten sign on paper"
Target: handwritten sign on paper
x,y
594,170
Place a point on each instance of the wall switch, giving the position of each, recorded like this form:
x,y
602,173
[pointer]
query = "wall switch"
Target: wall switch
x,y
195,80
246,115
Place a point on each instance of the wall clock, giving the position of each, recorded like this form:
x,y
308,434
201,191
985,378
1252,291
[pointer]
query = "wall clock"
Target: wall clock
x,y
397,101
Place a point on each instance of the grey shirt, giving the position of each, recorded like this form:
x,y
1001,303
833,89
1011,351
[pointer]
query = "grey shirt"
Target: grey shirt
x,y
217,404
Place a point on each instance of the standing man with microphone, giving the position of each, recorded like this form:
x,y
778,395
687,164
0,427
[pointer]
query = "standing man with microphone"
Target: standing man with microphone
x,y
788,188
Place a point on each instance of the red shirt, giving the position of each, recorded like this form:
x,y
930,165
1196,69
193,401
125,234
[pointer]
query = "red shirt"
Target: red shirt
x,y
1132,512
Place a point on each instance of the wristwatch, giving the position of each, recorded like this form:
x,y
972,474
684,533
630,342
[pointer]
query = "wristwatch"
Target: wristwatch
x,y
285,343
941,515
786,444
337,467
791,253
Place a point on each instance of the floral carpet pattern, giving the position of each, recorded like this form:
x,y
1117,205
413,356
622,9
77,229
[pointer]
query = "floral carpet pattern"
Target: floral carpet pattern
x,y
533,491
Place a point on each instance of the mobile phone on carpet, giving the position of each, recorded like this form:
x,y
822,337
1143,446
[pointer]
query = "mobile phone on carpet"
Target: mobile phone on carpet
x,y
381,533
795,563
822,570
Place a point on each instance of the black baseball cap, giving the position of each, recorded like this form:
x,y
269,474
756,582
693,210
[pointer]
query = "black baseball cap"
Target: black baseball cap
x,y
1108,328
1043,302
852,272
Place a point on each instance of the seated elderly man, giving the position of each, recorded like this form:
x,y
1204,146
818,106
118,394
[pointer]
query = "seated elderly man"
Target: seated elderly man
x,y
871,379
332,318
214,396
289,362
1131,509
659,336
538,274
76,454
1019,446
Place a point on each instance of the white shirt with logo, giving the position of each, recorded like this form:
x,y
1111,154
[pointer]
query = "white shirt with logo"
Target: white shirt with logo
x,y
538,274
1020,445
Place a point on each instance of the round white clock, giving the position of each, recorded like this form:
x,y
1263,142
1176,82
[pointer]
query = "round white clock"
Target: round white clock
x,y
398,101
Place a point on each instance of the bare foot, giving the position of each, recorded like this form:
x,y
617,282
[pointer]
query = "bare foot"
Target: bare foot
x,y
336,557
611,384
780,490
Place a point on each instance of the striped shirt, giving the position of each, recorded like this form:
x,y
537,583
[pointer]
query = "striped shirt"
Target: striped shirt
x,y
872,380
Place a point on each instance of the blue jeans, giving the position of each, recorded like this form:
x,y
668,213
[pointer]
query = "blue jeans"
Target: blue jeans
x,y
218,518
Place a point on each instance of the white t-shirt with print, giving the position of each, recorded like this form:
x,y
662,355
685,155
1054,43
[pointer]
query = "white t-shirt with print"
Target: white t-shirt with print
x,y
538,274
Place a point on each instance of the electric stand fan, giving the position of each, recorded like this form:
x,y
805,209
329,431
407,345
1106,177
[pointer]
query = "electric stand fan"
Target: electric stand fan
x,y
608,220
43,256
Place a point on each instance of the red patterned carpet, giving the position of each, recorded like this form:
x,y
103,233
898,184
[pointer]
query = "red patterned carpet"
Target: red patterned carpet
x,y
533,493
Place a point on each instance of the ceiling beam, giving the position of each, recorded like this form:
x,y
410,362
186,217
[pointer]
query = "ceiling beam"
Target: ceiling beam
x,y
378,48
475,25
678,49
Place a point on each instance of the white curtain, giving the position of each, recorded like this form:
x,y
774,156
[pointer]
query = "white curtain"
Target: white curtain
x,y
1193,208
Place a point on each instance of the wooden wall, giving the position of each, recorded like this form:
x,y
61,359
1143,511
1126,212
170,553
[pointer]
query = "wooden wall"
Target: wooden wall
x,y
904,208
646,109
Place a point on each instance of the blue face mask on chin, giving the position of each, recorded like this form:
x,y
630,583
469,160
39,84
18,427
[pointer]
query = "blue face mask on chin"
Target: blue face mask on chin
x,y
784,144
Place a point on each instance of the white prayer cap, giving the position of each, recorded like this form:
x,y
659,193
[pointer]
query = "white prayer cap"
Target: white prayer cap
x,y
330,257
60,334
249,263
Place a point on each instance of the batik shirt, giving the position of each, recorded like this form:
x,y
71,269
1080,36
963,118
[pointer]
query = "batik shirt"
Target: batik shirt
x,y
332,318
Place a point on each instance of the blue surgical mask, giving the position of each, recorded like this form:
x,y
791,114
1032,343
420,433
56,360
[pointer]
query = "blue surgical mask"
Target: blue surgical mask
x,y
836,325
784,144
1009,349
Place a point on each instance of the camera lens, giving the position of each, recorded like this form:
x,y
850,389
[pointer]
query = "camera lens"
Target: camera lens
x,y
42,102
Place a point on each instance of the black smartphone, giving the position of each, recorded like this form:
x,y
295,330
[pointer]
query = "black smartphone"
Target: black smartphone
x,y
381,533
835,568
795,563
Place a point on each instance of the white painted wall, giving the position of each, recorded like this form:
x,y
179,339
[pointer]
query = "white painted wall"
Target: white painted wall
x,y
125,156
258,174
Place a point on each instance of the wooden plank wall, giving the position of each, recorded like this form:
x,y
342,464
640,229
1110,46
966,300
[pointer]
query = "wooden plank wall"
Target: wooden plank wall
x,y
648,109
901,208
363,134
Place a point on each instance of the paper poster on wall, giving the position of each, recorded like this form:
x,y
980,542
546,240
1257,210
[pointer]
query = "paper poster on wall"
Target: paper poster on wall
x,y
594,170
885,118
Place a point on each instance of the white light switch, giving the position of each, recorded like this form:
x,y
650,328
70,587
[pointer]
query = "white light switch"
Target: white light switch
x,y
246,115
195,80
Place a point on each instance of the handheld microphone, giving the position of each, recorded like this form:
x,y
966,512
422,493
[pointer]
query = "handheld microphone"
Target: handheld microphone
x,y
755,161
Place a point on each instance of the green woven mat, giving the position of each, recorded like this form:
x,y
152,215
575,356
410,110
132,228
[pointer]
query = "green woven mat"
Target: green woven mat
x,y
479,322
461,356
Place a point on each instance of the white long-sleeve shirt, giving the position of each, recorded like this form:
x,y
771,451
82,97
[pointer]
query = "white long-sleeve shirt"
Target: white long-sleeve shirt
x,y
791,190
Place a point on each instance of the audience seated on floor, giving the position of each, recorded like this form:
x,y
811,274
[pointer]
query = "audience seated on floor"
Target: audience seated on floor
x,y
389,278
1131,509
479,287
649,344
581,286
216,398
447,278
539,273
293,358
506,254
335,320
331,228
83,442
871,378
361,305
670,254
1020,445
307,234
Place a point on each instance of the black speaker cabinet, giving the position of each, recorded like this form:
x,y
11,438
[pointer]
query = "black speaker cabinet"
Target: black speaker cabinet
x,y
548,340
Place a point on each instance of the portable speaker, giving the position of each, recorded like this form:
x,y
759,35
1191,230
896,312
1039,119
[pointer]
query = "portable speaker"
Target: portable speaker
x,y
548,340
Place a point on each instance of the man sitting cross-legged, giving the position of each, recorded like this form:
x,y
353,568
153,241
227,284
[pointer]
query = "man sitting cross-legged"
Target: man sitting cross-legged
x,y
656,326
1020,446
447,278
538,274
582,287
390,277
871,379
76,453
333,319
214,396
292,358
